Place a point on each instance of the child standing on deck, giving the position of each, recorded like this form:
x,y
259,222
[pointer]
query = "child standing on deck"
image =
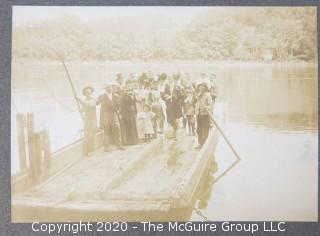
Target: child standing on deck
x,y
145,118
90,119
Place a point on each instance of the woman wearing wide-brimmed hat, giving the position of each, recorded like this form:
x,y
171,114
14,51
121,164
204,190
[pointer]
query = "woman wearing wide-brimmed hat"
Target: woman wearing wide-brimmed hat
x,y
204,113
90,119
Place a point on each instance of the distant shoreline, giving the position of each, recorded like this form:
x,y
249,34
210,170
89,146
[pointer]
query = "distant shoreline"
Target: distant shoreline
x,y
173,62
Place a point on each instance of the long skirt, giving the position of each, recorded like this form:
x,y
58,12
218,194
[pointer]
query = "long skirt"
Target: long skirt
x,y
203,127
140,129
129,130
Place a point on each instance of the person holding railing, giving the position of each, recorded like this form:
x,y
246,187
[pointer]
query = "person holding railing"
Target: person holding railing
x,y
204,113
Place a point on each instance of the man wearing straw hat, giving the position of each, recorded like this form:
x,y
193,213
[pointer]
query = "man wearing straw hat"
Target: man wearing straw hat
x,y
90,119
109,117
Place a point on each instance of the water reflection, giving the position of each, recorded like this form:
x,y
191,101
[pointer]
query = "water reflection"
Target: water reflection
x,y
285,122
276,178
205,188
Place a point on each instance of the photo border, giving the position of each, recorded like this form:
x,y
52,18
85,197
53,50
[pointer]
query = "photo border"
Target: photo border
x,y
8,228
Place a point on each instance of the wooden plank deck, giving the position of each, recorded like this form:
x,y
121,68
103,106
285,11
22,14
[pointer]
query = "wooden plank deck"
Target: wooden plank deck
x,y
155,177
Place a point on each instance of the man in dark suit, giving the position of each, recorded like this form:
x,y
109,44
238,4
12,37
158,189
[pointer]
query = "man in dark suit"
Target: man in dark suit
x,y
109,117
172,96
128,112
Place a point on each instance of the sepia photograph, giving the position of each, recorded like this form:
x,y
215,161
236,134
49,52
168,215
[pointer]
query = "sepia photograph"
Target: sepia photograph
x,y
154,113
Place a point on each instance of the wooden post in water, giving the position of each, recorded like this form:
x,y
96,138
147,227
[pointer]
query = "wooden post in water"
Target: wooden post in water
x,y
47,153
30,129
37,156
47,149
21,141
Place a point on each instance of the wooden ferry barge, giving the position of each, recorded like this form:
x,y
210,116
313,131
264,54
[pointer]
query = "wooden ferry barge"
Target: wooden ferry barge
x,y
155,181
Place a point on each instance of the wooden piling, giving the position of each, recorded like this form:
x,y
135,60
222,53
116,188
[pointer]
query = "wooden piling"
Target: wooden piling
x,y
47,149
21,141
37,156
39,151
46,154
30,129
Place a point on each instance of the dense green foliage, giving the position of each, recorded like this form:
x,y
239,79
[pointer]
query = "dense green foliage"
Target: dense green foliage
x,y
215,34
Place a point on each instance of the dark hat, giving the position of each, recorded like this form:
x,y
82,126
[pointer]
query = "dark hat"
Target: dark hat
x,y
162,76
85,88
143,76
119,76
176,76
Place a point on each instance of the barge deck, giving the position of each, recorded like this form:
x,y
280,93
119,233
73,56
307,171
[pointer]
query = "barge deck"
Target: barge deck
x,y
150,181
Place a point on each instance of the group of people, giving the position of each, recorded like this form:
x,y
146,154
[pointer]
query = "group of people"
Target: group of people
x,y
139,108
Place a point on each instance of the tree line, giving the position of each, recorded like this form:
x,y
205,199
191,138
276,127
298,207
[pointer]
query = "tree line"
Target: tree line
x,y
235,33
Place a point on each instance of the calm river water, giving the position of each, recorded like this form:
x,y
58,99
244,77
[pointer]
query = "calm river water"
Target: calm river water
x,y
272,122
